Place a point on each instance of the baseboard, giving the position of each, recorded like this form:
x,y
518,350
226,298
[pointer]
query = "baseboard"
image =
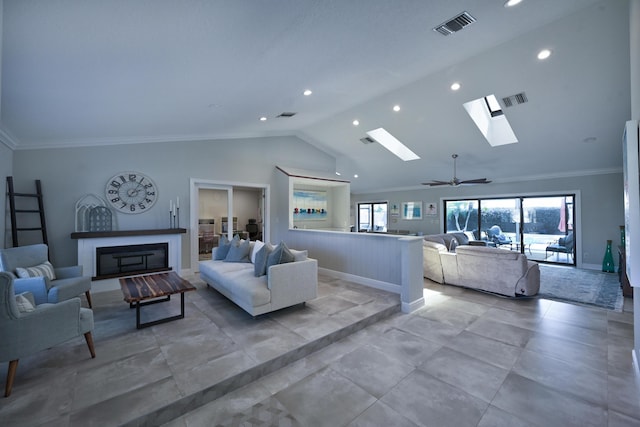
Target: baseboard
x,y
378,284
410,307
591,266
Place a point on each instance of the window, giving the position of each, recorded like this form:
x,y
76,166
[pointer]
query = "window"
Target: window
x,y
372,216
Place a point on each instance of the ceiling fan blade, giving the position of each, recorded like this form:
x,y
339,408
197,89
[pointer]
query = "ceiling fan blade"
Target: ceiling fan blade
x,y
434,183
476,181
455,181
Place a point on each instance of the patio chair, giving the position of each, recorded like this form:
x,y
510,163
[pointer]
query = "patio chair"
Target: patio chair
x,y
495,235
562,245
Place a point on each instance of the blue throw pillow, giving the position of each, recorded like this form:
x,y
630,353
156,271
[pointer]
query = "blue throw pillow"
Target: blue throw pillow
x,y
280,255
260,264
223,247
239,252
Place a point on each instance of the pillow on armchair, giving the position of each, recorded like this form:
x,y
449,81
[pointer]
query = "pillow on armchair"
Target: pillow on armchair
x,y
45,269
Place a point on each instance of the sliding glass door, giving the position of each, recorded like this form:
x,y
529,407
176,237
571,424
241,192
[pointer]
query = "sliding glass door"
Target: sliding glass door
x,y
547,228
540,227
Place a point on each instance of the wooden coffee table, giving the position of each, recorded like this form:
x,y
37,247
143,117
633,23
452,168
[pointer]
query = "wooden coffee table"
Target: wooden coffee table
x,y
137,290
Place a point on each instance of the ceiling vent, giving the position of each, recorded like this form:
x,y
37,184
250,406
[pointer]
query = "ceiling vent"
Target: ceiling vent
x,y
518,98
455,24
286,114
367,140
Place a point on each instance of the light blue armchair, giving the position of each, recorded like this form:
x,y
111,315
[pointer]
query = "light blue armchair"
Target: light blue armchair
x,y
68,283
23,333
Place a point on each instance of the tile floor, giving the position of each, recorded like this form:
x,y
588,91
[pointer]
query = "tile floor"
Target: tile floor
x,y
148,376
465,359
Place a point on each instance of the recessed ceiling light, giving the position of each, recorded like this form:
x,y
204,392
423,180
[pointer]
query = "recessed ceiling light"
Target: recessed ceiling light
x,y
544,54
455,86
356,122
307,92
396,108
355,175
338,173
510,3
263,119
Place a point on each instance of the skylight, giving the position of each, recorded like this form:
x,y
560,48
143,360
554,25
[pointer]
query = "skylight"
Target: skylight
x,y
392,144
489,118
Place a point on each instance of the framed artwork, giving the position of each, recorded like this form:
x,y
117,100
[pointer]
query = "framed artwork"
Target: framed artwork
x,y
411,210
309,205
395,210
431,209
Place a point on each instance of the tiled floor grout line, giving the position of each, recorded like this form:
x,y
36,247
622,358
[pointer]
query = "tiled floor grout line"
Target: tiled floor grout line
x,y
195,400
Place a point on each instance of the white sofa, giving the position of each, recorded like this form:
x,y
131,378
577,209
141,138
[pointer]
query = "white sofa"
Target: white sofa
x,y
284,285
480,267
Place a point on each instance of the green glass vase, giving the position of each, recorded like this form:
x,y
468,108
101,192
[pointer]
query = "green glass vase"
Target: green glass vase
x,y
607,262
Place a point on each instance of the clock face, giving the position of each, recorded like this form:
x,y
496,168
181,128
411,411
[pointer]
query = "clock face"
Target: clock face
x,y
131,192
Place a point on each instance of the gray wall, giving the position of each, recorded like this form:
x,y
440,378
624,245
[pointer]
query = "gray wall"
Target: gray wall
x,y
602,206
67,174
6,169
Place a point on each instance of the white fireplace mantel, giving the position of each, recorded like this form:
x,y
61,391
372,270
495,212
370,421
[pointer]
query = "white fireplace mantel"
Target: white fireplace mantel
x,y
89,241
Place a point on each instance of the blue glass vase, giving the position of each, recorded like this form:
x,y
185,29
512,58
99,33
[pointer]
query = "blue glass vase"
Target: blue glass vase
x,y
607,262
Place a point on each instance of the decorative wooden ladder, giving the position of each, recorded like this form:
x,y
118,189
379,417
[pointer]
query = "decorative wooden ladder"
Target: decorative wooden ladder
x,y
40,211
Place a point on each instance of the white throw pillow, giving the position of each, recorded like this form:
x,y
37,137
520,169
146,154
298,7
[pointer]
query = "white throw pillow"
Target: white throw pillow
x,y
299,255
45,269
256,247
24,305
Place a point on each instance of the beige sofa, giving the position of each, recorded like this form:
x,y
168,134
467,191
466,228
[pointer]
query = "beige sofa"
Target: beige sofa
x,y
479,267
435,264
282,286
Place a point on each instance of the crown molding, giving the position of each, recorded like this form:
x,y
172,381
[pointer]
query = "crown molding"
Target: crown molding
x,y
8,139
94,142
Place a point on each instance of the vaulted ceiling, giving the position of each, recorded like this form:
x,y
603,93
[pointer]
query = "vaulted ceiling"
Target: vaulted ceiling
x,y
85,72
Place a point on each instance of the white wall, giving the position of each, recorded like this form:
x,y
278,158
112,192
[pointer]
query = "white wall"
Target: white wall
x,y
69,173
634,37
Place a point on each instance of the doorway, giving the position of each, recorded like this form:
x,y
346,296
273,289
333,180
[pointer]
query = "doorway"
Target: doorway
x,y
225,208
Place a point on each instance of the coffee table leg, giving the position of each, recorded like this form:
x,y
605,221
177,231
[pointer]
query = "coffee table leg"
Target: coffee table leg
x,y
138,315
138,304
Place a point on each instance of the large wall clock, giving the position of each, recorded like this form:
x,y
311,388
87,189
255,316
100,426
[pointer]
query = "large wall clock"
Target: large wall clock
x,y
131,192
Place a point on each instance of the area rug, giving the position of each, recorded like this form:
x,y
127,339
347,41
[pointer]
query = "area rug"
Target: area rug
x,y
581,286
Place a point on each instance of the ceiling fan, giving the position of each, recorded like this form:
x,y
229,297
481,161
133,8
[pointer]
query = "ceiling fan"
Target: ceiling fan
x,y
455,181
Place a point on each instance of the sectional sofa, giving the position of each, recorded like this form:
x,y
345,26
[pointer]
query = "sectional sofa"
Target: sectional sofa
x,y
485,268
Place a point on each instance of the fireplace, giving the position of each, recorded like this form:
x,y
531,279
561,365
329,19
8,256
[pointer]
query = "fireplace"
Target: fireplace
x,y
128,260
90,241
